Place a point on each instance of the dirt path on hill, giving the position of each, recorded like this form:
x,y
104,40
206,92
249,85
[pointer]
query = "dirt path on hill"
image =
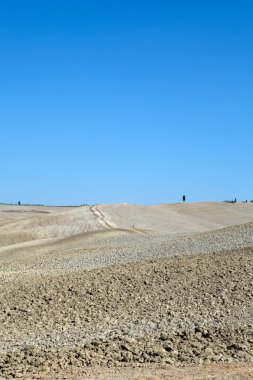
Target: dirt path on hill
x,y
204,372
100,217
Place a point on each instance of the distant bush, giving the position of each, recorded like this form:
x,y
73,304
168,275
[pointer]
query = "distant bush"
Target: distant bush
x,y
20,204
235,200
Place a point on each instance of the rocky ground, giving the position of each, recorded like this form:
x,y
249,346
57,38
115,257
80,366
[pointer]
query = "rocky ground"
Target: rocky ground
x,y
176,310
124,303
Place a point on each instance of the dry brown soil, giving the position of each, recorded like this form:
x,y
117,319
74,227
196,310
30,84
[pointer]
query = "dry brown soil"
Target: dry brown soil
x,y
124,305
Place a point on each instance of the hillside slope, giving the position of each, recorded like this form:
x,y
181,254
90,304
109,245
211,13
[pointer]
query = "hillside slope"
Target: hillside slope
x,y
19,224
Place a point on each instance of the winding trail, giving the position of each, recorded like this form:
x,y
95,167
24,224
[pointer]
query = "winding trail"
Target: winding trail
x,y
100,217
139,230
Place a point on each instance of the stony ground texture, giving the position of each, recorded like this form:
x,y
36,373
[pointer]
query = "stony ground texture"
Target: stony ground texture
x,y
181,310
144,306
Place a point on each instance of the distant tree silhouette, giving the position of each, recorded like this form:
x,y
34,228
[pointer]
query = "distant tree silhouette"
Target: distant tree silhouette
x,y
19,203
184,198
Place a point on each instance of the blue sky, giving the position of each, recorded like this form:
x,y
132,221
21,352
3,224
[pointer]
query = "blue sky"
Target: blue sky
x,y
126,101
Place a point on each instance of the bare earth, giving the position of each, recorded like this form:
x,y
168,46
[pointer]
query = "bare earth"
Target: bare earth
x,y
127,292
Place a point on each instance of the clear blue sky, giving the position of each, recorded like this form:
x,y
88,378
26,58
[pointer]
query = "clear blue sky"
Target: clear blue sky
x,y
126,101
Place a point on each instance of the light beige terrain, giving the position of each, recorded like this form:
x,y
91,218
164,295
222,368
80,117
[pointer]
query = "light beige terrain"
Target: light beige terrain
x,y
24,223
127,292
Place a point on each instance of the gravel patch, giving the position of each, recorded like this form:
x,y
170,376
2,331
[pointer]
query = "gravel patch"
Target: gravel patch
x,y
103,250
174,310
